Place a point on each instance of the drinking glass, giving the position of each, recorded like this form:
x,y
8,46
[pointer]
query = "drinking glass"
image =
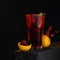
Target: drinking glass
x,y
35,25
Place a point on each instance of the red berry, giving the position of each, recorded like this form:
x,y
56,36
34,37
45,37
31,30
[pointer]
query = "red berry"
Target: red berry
x,y
51,35
50,27
56,31
24,42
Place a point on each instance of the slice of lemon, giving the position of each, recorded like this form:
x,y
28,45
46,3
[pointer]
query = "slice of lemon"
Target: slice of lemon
x,y
24,48
45,41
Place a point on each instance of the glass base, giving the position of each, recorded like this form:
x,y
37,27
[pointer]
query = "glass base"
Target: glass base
x,y
36,48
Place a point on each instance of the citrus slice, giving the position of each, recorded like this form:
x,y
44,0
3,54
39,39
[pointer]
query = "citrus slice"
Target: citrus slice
x,y
23,47
45,41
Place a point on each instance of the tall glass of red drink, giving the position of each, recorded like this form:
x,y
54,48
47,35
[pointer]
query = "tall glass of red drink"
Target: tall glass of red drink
x,y
35,25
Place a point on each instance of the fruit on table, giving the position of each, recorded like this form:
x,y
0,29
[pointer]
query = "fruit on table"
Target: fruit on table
x,y
23,47
24,42
45,41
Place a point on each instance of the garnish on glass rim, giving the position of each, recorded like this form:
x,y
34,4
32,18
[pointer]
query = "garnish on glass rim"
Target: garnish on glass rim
x,y
41,14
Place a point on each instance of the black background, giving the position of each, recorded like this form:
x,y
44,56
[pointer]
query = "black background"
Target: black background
x,y
50,8
13,21
7,29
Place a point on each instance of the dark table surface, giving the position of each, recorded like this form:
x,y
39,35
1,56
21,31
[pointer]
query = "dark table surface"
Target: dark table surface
x,y
52,53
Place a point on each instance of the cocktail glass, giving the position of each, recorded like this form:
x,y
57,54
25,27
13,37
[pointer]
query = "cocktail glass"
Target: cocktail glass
x,y
35,25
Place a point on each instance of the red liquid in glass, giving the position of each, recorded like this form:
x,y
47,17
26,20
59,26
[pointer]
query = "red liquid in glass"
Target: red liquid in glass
x,y
35,25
